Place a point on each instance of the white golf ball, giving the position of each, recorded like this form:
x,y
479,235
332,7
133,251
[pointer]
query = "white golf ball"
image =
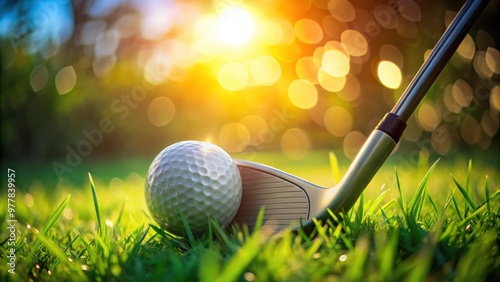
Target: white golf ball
x,y
196,180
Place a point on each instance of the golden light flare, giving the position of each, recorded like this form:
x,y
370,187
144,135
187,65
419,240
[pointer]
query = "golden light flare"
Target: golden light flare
x,y
330,83
462,93
235,26
492,59
270,32
391,53
265,70
258,129
161,111
307,68
303,94
338,121
481,66
351,89
342,10
354,42
335,63
295,143
389,74
495,98
308,31
428,117
467,48
444,140
490,122
208,46
234,137
233,76
353,142
470,130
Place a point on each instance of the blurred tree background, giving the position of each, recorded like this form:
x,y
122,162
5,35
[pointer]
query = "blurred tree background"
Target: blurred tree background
x,y
98,79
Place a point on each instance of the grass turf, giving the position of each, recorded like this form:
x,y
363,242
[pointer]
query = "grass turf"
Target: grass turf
x,y
416,225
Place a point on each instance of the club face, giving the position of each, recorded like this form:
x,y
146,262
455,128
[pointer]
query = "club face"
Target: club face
x,y
286,199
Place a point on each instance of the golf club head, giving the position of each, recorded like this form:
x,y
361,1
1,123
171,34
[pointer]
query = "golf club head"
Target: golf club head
x,y
286,199
289,201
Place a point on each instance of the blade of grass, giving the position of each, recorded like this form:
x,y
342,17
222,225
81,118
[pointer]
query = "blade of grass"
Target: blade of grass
x,y
359,257
423,159
433,205
119,219
242,258
487,194
334,165
260,220
96,203
209,266
54,249
187,230
465,194
137,243
418,200
55,215
375,205
71,243
455,207
467,184
401,201
223,236
360,210
52,220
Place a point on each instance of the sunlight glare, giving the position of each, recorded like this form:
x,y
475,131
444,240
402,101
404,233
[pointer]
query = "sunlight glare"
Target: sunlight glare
x,y
235,26
389,74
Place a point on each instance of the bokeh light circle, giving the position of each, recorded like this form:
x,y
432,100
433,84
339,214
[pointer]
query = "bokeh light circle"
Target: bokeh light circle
x,y
234,137
338,121
161,111
233,76
389,74
295,143
302,94
308,31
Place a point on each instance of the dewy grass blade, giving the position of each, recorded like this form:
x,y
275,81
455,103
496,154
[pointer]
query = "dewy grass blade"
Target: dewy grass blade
x,y
55,250
96,203
52,220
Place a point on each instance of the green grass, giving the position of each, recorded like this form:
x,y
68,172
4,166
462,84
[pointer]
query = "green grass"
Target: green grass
x,y
415,225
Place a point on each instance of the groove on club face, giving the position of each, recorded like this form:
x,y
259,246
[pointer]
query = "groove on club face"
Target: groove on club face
x,y
284,202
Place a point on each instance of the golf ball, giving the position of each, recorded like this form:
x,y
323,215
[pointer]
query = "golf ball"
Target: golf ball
x,y
196,180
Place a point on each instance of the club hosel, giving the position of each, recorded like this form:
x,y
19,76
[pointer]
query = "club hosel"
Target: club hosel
x,y
370,158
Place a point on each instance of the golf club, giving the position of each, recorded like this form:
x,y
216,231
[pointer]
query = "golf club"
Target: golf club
x,y
290,201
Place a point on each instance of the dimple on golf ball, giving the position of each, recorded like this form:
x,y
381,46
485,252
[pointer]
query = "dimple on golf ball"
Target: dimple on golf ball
x,y
195,180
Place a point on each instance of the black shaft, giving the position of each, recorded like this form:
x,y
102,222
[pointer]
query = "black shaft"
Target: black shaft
x,y
438,58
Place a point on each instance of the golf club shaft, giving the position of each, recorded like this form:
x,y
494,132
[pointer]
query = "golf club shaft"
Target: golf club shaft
x,y
438,58
384,138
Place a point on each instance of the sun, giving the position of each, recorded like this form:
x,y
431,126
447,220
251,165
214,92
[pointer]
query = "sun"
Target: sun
x,y
235,26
